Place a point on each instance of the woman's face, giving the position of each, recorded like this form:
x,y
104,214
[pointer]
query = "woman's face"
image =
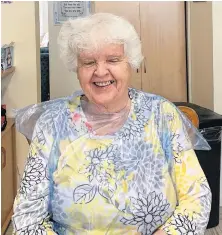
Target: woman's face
x,y
104,75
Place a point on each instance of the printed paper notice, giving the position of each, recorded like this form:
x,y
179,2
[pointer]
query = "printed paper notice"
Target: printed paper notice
x,y
70,10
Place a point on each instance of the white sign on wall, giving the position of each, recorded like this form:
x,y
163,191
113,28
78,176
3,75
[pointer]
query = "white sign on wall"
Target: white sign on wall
x,y
70,9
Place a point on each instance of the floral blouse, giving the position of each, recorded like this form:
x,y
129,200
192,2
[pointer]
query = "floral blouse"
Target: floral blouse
x,y
140,179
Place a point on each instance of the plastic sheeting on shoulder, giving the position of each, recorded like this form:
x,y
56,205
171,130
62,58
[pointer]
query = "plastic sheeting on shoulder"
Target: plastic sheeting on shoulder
x,y
145,105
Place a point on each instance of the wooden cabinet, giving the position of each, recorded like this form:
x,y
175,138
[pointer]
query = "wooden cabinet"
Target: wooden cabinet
x,y
8,186
163,40
161,27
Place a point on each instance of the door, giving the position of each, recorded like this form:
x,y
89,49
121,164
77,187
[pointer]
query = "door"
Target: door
x,y
164,50
130,11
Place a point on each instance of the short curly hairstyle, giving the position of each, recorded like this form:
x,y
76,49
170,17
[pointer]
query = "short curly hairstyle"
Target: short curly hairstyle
x,y
93,31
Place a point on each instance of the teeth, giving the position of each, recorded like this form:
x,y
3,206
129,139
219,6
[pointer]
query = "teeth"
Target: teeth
x,y
103,83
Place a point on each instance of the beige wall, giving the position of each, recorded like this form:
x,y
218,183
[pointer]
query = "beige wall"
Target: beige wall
x,y
62,82
200,54
217,55
20,24
205,54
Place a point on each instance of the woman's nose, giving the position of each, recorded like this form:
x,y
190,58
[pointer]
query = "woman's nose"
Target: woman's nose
x,y
101,69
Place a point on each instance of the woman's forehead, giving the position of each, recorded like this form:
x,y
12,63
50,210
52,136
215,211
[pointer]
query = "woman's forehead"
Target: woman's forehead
x,y
106,50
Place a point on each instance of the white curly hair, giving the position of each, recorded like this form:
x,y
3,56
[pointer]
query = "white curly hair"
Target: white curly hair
x,y
93,31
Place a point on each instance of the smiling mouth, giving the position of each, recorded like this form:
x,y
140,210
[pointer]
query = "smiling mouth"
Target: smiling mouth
x,y
104,84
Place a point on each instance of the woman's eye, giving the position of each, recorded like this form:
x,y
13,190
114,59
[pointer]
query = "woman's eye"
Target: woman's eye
x,y
88,63
113,60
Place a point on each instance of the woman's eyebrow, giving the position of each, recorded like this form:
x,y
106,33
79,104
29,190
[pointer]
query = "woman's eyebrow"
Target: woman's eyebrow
x,y
115,55
86,58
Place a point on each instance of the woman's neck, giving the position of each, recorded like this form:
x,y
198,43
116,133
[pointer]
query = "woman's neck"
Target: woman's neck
x,y
102,120
112,108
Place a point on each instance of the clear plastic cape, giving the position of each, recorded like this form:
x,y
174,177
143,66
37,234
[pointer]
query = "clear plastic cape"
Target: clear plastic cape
x,y
26,118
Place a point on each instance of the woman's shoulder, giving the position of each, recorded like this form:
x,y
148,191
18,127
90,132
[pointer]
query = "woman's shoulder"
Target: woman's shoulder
x,y
44,114
150,100
58,106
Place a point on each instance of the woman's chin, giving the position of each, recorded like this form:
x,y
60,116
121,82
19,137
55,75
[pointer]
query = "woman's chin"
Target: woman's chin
x,y
103,99
105,94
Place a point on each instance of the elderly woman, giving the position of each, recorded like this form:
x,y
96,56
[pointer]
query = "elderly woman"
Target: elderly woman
x,y
109,159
